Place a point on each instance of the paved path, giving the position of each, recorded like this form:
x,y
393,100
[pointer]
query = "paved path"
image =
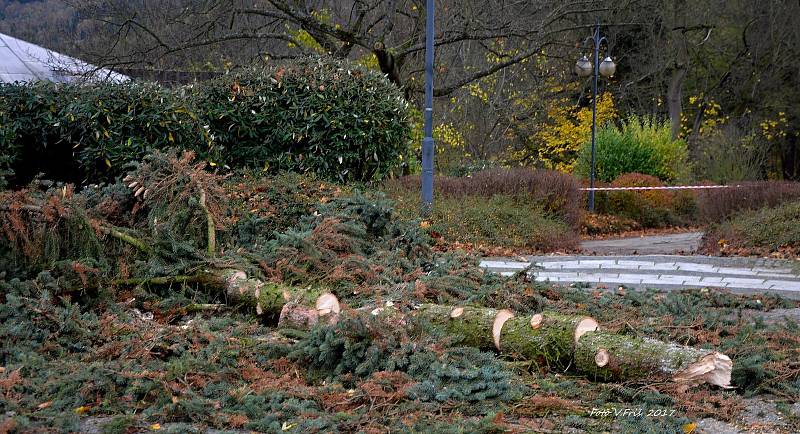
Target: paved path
x,y
671,244
742,275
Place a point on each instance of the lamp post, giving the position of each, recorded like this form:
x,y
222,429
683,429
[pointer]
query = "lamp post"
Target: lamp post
x,y
584,68
427,141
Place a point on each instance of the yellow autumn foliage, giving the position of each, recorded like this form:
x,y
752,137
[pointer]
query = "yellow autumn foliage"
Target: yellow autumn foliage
x,y
567,129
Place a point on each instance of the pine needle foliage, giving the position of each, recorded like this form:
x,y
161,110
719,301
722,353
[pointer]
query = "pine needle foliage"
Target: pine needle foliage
x,y
76,345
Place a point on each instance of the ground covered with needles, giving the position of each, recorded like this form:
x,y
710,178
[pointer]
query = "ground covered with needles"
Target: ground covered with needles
x,y
98,335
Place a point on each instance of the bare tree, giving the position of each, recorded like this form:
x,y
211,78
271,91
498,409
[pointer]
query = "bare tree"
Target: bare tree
x,y
475,38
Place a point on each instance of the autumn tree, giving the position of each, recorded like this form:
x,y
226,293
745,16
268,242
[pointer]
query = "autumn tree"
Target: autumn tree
x,y
501,68
181,32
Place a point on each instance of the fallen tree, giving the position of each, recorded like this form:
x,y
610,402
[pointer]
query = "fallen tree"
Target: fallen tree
x,y
168,237
608,356
261,297
556,341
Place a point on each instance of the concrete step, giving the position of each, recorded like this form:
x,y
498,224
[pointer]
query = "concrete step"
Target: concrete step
x,y
745,275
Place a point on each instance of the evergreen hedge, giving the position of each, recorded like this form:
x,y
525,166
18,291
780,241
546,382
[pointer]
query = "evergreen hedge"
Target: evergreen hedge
x,y
90,133
325,116
329,117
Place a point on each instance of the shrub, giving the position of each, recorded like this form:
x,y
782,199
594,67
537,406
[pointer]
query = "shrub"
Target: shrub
x,y
80,133
5,170
499,220
655,198
325,116
731,155
330,117
615,154
641,145
649,208
554,192
7,136
604,224
544,207
717,205
764,230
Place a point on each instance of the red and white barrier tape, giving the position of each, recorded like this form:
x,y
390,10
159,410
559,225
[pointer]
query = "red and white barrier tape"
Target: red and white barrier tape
x,y
676,187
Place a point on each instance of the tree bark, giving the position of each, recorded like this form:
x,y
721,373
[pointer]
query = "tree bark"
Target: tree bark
x,y
555,340
607,356
675,90
548,339
240,290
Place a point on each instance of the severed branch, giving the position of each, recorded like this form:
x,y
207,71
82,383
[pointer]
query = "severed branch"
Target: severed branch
x,y
104,228
210,225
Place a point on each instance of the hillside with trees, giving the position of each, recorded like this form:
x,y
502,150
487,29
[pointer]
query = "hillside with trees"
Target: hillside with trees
x,y
719,70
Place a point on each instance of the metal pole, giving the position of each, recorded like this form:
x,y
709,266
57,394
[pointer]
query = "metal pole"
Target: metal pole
x,y
427,141
596,40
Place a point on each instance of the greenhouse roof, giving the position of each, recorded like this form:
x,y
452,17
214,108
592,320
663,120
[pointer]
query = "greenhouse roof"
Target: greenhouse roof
x,y
22,61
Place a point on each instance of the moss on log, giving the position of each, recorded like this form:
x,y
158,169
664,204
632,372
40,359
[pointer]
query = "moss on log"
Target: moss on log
x,y
240,290
555,340
547,338
607,356
470,326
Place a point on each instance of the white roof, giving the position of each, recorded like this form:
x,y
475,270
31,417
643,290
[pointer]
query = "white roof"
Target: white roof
x,y
23,61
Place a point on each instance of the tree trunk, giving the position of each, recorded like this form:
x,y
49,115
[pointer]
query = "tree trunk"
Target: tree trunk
x,y
675,90
389,63
790,157
674,100
548,338
607,356
554,340
264,298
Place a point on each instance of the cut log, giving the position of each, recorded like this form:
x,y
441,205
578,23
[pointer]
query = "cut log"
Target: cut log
x,y
327,303
497,325
471,326
607,356
557,341
547,338
240,290
296,316
244,291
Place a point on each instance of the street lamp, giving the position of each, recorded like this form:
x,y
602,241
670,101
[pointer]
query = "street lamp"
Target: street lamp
x,y
584,68
427,141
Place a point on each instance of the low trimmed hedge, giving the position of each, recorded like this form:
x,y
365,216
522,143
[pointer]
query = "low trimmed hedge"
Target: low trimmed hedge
x,y
648,208
518,208
553,192
338,120
720,204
